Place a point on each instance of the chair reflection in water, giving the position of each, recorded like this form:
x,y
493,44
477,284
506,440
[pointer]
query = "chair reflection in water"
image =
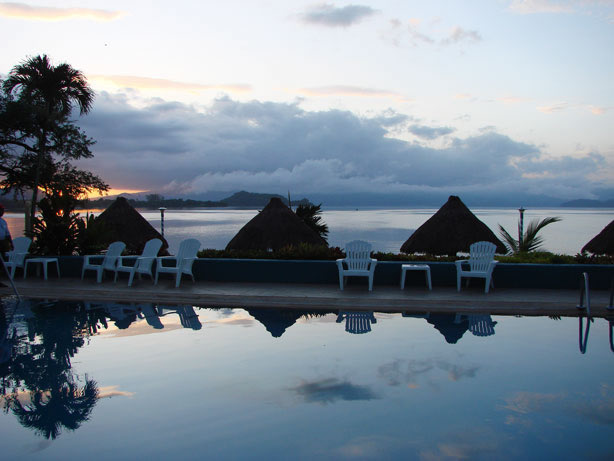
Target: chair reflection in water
x,y
187,316
149,313
356,322
125,314
479,324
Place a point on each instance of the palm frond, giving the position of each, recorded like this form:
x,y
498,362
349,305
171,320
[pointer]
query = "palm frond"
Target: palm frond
x,y
509,241
530,240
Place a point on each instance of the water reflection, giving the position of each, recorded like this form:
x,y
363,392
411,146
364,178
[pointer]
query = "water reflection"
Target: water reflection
x,y
356,322
38,384
395,378
123,315
277,321
37,343
454,325
583,334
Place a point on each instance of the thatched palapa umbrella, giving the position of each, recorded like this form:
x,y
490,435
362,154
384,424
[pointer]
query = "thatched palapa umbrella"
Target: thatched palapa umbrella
x,y
126,224
603,242
452,229
275,227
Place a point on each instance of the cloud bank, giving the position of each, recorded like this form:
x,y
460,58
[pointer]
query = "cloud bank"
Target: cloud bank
x,y
180,149
47,13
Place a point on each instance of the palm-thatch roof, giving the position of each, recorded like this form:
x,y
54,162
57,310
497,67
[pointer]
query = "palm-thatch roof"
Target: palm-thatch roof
x,y
275,227
452,229
123,222
603,242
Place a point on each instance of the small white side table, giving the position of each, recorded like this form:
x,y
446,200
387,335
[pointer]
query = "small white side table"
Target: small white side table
x,y
44,262
416,267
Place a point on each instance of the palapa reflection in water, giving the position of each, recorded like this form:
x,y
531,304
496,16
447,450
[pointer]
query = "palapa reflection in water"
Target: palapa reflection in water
x,y
277,321
454,325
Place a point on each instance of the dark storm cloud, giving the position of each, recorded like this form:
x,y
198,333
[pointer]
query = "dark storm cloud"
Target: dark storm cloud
x,y
176,148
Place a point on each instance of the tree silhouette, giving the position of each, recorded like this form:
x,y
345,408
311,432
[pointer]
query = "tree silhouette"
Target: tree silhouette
x,y
51,92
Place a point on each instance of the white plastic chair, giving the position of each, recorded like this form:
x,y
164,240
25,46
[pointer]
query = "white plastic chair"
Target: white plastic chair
x,y
357,262
143,263
481,264
109,261
17,256
182,262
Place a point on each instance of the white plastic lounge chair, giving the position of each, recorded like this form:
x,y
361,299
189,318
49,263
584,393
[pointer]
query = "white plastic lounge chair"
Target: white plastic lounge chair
x,y
109,261
357,262
357,322
182,262
481,264
143,263
17,256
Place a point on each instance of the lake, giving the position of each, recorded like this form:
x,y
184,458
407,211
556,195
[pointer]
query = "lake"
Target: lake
x,y
386,228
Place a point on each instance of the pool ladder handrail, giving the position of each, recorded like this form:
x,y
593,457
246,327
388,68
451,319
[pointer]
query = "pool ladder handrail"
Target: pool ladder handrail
x,y
6,271
585,294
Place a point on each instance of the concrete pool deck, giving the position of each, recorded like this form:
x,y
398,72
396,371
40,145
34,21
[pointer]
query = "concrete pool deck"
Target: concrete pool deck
x,y
386,298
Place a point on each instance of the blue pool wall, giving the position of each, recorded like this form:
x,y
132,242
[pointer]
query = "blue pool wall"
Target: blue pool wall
x,y
549,276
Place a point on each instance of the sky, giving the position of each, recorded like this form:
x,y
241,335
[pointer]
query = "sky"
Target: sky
x,y
389,101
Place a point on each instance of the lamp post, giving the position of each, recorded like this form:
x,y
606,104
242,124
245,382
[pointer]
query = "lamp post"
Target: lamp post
x,y
521,225
162,209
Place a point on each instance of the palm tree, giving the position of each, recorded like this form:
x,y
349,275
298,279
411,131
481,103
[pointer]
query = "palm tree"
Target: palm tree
x,y
52,92
529,240
311,215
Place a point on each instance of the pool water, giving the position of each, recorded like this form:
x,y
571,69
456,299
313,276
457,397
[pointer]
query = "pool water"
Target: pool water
x,y
128,381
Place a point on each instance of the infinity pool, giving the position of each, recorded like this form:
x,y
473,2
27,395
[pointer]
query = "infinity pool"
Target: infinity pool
x,y
103,381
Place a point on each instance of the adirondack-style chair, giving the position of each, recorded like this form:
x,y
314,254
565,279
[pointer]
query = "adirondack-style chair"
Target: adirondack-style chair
x,y
357,262
108,263
143,263
182,263
481,263
17,256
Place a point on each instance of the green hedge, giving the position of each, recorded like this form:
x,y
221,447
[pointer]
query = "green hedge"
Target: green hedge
x,y
322,253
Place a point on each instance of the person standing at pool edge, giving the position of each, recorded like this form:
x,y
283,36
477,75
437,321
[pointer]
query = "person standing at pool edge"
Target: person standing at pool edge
x,y
6,243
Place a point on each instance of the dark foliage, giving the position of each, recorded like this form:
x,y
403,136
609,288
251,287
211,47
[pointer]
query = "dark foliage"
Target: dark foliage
x,y
311,215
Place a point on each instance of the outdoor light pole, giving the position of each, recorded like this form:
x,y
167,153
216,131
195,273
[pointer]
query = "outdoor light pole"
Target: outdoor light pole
x,y
162,209
521,224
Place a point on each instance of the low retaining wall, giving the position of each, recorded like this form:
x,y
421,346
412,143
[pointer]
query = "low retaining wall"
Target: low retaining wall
x,y
550,276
